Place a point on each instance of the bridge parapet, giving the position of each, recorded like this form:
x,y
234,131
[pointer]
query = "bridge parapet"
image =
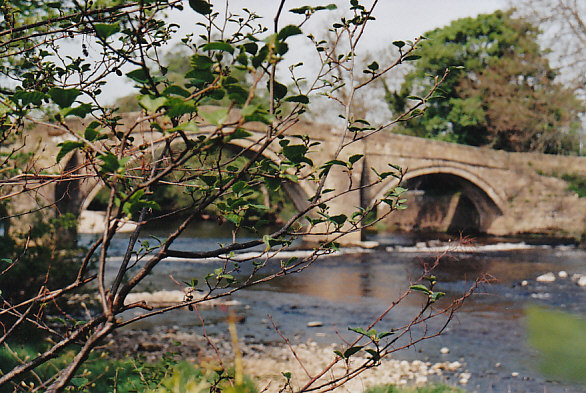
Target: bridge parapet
x,y
511,192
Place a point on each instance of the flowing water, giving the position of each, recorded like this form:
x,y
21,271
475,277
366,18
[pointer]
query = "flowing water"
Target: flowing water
x,y
513,335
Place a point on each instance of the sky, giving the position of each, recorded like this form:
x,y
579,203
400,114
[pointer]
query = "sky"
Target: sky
x,y
395,20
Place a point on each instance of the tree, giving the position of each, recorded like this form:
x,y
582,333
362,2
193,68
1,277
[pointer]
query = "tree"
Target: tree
x,y
563,32
181,143
504,95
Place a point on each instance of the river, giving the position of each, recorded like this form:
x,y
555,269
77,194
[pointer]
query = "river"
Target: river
x,y
511,335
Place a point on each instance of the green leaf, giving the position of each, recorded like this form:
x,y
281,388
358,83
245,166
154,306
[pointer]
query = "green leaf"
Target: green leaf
x,y
385,334
216,117
177,107
248,110
151,104
352,350
80,111
238,186
91,134
279,90
435,296
79,381
288,31
190,126
300,10
105,30
272,183
358,330
201,62
201,6
251,47
375,355
294,153
399,44
66,147
28,97
239,133
301,98
339,220
420,288
411,57
6,260
63,97
110,163
373,66
176,90
237,94
355,158
208,180
219,46
139,75
306,9
260,57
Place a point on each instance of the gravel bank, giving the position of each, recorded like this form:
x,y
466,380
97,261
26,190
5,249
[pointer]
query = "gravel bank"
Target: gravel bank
x,y
265,363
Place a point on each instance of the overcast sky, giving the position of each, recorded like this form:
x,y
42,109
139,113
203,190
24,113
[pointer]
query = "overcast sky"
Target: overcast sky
x,y
395,20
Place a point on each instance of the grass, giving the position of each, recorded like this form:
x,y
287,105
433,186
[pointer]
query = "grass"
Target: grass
x,y
414,389
560,339
576,183
102,374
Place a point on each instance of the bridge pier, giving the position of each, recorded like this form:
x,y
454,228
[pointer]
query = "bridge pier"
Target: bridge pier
x,y
347,202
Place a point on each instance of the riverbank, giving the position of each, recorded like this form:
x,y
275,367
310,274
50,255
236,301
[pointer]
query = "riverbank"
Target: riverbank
x,y
265,363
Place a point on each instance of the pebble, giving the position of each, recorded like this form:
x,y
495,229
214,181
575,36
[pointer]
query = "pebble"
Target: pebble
x,y
524,283
445,350
263,362
540,295
582,281
547,277
514,374
562,274
315,324
464,378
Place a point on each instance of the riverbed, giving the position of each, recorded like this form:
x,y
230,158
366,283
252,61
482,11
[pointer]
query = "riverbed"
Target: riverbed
x,y
492,336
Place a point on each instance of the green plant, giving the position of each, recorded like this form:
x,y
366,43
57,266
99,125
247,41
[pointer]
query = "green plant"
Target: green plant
x,y
425,389
560,339
219,156
576,183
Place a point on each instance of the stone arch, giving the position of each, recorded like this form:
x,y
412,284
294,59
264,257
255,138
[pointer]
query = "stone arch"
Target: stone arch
x,y
476,198
298,192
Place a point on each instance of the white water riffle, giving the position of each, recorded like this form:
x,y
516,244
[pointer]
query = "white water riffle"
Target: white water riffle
x,y
465,248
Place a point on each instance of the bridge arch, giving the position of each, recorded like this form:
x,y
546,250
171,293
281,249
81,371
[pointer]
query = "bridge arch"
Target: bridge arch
x,y
297,192
470,203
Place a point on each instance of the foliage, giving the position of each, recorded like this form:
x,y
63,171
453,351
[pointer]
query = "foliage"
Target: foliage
x,y
577,183
425,389
100,373
219,156
561,340
501,92
36,259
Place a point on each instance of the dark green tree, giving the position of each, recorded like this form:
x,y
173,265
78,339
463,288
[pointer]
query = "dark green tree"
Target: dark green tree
x,y
501,91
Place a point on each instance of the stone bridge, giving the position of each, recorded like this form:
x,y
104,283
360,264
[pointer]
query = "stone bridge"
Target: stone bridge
x,y
452,187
